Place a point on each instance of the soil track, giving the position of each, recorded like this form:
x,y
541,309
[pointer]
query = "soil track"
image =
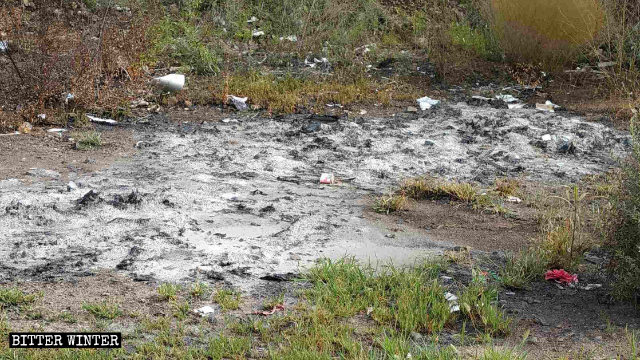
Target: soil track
x,y
239,199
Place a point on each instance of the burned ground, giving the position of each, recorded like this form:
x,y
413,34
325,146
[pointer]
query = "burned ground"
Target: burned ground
x,y
241,198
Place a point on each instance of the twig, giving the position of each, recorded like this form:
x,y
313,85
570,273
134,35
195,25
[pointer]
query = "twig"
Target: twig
x,y
99,50
8,52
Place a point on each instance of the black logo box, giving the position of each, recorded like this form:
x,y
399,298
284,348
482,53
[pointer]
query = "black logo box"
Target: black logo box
x,y
61,340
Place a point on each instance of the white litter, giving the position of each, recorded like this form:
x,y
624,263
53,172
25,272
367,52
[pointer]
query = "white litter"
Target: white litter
x,y
292,38
427,102
227,120
71,186
514,199
315,62
591,287
69,97
546,137
515,106
453,302
4,46
363,112
547,106
507,98
13,133
56,130
42,116
101,121
257,33
327,178
238,102
171,82
252,20
205,311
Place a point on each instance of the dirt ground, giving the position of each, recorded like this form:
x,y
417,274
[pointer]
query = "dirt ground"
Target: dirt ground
x,y
21,154
235,200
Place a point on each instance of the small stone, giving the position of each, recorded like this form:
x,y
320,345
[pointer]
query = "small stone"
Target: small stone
x,y
510,293
71,186
415,336
429,143
390,236
188,103
412,109
533,340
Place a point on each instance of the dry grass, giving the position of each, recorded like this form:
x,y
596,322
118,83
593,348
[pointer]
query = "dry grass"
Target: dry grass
x,y
54,56
390,203
428,188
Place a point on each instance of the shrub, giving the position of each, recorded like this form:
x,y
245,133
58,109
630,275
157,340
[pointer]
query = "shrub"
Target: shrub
x,y
626,262
543,31
180,42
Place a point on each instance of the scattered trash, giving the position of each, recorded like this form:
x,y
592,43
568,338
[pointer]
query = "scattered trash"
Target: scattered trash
x,y
140,144
279,307
427,102
68,98
515,106
171,82
205,311
238,102
13,133
327,178
257,33
252,20
514,199
42,116
369,310
25,128
334,105
507,98
71,186
227,120
566,145
412,109
56,130
363,112
561,276
453,302
546,137
510,293
4,46
101,121
292,38
547,106
316,61
591,287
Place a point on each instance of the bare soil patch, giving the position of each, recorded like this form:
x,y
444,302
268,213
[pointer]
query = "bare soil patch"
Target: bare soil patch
x,y
456,223
40,150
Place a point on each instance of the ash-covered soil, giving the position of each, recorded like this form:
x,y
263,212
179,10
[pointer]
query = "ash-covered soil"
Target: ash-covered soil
x,y
240,199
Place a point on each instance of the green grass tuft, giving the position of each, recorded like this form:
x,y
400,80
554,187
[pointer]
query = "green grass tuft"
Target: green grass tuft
x,y
103,310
